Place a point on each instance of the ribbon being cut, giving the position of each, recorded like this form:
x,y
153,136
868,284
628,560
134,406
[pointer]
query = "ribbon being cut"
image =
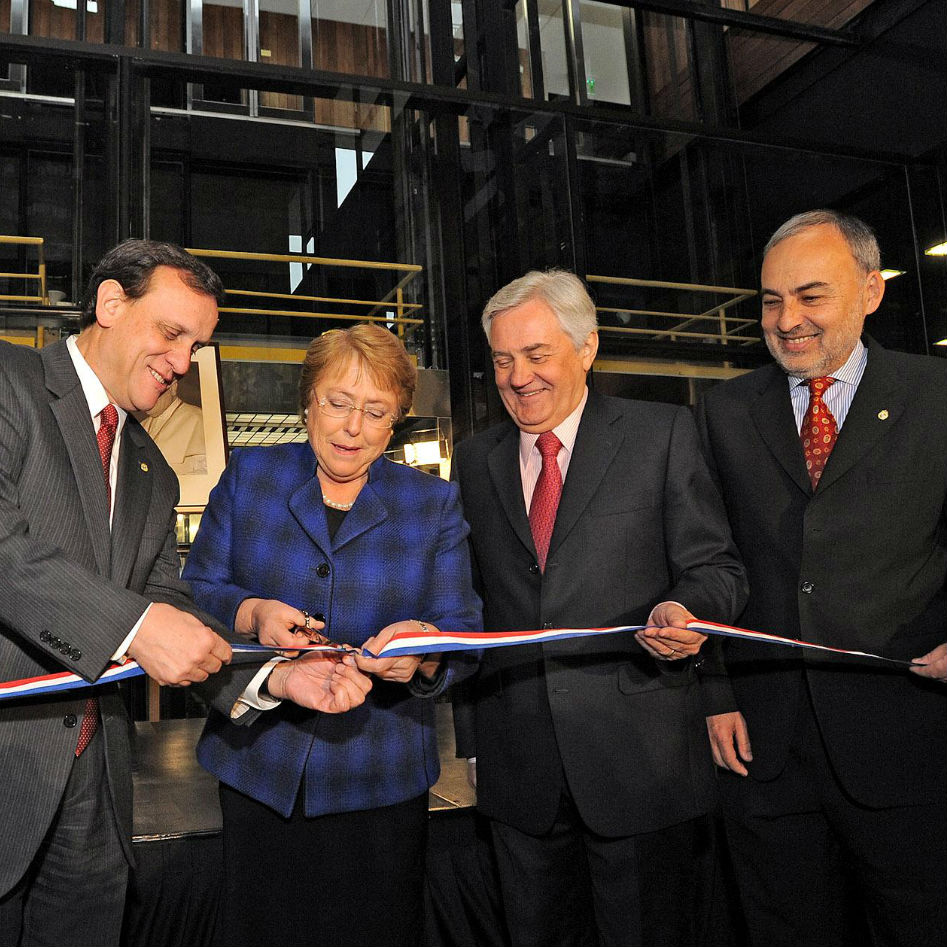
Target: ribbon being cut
x,y
430,642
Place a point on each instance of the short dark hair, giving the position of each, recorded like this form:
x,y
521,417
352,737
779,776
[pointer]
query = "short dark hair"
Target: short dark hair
x,y
131,264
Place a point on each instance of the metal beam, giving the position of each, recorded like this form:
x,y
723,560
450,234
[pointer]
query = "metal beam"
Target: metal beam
x,y
754,22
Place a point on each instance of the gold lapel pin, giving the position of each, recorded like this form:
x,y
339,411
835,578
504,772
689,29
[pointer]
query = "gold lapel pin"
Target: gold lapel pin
x,y
144,466
883,414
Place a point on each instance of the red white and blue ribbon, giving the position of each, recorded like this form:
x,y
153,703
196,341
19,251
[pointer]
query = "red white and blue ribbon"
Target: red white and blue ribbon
x,y
421,642
66,681
435,641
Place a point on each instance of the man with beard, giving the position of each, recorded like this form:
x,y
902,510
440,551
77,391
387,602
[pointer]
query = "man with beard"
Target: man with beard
x,y
833,467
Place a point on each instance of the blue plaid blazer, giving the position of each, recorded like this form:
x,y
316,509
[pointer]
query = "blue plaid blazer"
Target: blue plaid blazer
x,y
401,552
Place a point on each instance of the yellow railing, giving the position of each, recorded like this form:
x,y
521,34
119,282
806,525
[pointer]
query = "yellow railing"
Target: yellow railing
x,y
712,324
39,276
405,313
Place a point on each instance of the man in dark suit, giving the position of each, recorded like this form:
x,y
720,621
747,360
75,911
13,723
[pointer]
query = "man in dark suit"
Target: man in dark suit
x,y
835,769
589,755
89,570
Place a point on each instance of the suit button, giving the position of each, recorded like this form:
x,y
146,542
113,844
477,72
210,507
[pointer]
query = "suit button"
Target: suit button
x,y
807,587
76,654
534,568
319,616
547,624
322,570
69,721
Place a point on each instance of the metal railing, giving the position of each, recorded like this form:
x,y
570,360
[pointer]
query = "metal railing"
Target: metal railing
x,y
39,276
397,312
712,324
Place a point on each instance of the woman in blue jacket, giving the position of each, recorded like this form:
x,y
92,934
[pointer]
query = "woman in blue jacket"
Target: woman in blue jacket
x,y
325,815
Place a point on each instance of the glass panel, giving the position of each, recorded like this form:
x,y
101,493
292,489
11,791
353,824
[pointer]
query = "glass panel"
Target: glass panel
x,y
223,35
603,42
277,189
350,38
670,85
553,44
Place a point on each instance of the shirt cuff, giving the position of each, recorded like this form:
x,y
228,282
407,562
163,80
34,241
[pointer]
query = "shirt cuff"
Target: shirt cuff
x,y
120,654
251,696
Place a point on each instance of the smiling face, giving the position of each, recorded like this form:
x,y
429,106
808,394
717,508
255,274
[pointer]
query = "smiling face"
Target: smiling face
x,y
346,447
815,299
540,375
138,347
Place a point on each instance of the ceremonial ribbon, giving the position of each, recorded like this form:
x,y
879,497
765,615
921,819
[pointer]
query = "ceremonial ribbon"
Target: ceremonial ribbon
x,y
411,642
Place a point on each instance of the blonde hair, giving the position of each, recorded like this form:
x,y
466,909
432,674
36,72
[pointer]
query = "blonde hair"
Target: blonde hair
x,y
376,350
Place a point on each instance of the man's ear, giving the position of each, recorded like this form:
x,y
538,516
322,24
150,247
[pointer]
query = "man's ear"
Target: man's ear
x,y
110,300
874,291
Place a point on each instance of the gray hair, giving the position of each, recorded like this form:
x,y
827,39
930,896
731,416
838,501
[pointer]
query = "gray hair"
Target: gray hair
x,y
562,291
860,238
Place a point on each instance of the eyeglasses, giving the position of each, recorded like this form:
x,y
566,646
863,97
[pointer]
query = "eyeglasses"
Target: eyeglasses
x,y
374,417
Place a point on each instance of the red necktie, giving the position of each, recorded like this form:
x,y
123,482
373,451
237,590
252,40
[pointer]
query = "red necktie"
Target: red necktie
x,y
106,438
819,431
545,502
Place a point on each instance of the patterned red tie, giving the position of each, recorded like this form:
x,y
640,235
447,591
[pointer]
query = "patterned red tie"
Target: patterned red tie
x,y
106,438
545,502
819,431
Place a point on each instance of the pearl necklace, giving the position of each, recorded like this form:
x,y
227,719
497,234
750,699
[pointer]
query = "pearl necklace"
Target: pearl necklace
x,y
344,507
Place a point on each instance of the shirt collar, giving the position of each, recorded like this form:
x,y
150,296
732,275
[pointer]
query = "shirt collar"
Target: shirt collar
x,y
850,373
566,430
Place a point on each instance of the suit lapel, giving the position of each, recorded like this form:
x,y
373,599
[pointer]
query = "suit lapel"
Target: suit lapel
x,y
132,500
369,510
776,424
876,408
71,411
596,444
504,465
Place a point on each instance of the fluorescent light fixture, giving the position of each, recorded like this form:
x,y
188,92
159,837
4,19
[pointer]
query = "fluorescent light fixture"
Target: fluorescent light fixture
x,y
91,5
891,274
422,452
939,249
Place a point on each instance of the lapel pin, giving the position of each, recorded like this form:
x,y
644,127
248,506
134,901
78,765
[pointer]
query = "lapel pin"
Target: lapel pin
x,y
883,414
144,466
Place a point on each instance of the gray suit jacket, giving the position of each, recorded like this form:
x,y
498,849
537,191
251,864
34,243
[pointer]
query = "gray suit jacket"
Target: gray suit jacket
x,y
70,591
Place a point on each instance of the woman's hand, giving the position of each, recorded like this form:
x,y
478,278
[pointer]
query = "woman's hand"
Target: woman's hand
x,y
321,682
277,624
400,669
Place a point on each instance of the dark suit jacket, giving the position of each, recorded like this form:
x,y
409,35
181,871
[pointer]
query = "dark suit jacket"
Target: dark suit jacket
x,y
70,590
639,522
861,564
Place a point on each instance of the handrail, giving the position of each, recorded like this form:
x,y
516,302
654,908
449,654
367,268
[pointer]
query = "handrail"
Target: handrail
x,y
393,299
40,275
727,327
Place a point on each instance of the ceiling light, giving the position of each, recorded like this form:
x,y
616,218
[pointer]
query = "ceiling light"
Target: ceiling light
x,y
942,342
939,249
891,274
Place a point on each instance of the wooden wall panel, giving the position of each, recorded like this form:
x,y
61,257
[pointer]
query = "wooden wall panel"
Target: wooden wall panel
x,y
279,36
756,59
165,25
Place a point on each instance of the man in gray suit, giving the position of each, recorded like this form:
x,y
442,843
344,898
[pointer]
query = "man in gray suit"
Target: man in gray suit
x,y
90,574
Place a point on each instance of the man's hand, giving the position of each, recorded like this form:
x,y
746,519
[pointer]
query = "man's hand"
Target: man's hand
x,y
321,682
394,669
730,741
277,624
670,639
174,647
935,664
